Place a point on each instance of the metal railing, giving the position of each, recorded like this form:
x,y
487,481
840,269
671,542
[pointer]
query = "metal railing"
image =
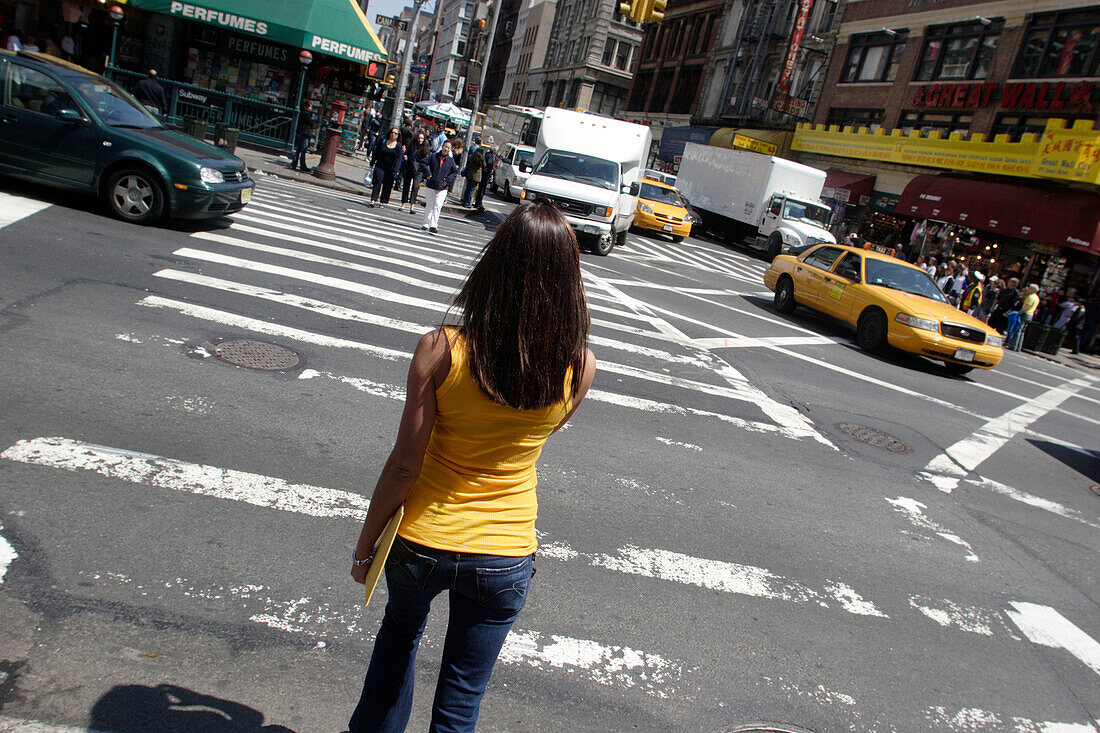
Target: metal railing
x,y
258,122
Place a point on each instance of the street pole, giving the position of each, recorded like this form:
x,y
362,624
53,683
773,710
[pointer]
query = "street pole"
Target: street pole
x,y
406,64
305,58
481,85
117,15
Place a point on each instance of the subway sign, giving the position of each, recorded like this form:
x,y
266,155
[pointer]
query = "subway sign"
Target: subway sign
x,y
1024,95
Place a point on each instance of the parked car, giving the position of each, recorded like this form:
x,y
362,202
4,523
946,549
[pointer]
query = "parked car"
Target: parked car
x,y
515,166
68,127
660,209
888,301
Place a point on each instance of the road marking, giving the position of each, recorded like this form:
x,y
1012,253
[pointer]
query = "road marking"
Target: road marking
x,y
16,208
8,555
948,468
950,614
169,473
1031,500
975,720
1043,625
22,725
914,512
667,441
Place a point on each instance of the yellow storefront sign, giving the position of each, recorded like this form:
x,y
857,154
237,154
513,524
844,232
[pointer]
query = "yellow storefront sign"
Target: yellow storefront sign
x,y
751,143
1060,153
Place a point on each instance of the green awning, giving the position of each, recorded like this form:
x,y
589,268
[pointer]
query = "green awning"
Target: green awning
x,y
333,27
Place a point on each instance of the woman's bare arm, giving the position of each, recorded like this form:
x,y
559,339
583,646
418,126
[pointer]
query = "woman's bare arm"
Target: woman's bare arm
x,y
588,372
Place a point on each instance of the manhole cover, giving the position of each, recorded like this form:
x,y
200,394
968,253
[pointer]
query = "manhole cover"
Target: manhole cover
x,y
762,727
877,438
253,354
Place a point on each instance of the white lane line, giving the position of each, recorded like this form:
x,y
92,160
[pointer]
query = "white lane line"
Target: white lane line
x,y
1031,500
914,512
1013,395
8,555
271,329
168,473
22,725
1044,625
669,441
977,720
945,470
751,342
16,208
949,614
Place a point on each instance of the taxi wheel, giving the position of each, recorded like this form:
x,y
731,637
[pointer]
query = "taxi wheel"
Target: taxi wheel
x,y
134,196
784,296
677,238
872,331
957,369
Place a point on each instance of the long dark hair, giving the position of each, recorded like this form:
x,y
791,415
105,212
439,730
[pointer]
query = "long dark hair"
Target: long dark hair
x,y
525,317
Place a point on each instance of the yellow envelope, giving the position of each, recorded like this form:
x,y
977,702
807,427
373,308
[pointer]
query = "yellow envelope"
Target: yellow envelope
x,y
381,552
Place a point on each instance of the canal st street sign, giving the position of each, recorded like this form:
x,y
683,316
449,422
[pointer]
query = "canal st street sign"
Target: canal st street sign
x,y
1053,95
388,21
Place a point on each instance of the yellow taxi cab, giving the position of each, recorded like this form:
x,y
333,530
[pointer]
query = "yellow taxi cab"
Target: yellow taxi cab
x,y
888,302
660,209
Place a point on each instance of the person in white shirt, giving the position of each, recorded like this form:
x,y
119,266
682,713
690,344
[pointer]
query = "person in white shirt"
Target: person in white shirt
x,y
15,42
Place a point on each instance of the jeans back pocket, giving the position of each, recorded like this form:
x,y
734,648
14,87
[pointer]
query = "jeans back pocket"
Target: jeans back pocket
x,y
408,568
504,588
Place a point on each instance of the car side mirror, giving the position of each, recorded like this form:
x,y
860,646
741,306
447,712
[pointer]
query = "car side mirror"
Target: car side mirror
x,y
524,168
849,273
70,115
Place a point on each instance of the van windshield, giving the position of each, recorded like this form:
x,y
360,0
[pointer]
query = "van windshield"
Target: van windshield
x,y
579,168
809,213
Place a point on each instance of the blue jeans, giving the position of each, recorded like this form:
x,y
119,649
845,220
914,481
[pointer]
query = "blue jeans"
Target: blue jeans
x,y
1018,334
301,145
468,192
486,594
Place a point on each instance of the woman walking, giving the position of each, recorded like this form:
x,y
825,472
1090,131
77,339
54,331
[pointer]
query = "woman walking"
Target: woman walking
x,y
388,155
412,177
439,171
482,399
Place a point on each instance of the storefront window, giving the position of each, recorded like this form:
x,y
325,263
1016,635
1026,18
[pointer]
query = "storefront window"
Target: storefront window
x,y
1016,125
854,117
959,51
874,56
926,122
1065,44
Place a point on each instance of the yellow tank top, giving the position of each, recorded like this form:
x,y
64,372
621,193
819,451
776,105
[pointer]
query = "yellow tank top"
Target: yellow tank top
x,y
476,489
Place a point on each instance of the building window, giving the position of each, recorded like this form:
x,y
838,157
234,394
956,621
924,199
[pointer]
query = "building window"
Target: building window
x,y
959,51
622,58
854,117
1061,44
608,51
1016,125
825,20
640,90
686,91
927,121
874,56
662,90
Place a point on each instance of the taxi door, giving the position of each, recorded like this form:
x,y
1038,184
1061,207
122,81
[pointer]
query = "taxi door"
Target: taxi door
x,y
810,273
842,287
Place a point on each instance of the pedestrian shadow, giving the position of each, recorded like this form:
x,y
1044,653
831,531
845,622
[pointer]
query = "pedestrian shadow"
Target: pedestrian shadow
x,y
171,709
1086,463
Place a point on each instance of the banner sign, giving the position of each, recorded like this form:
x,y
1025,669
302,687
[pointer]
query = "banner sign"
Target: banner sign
x,y
757,146
790,105
1076,95
784,85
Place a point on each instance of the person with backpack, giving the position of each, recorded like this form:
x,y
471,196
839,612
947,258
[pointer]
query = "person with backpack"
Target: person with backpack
x,y
489,161
475,166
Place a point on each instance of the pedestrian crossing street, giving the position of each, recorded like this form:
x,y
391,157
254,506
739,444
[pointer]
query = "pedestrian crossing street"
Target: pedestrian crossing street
x,y
316,269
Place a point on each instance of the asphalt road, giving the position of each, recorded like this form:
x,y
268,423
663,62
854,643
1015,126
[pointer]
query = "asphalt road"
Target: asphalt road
x,y
716,544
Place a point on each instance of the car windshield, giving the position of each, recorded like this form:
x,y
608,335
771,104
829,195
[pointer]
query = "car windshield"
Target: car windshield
x,y
113,105
809,213
525,156
901,277
661,195
580,168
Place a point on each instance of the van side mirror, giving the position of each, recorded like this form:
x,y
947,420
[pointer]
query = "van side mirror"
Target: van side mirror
x,y
633,189
524,167
70,115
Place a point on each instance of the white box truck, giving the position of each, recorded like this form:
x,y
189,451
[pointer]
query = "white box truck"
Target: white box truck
x,y
590,166
771,204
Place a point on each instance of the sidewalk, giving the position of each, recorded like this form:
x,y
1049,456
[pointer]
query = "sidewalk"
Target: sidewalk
x,y
349,178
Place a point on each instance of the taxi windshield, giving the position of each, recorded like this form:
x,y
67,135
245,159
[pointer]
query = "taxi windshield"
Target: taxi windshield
x,y
659,194
896,276
113,105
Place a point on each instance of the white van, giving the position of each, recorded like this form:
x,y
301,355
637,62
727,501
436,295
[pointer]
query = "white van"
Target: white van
x,y
590,166
509,179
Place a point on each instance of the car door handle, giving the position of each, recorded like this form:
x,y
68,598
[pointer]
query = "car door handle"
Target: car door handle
x,y
798,269
828,279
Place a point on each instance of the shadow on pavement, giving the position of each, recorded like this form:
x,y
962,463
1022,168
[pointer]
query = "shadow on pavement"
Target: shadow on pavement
x,y
1085,463
171,709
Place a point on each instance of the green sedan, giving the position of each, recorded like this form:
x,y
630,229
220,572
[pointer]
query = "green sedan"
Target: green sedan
x,y
64,126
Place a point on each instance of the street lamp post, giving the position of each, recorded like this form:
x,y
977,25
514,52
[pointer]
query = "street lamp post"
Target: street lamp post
x,y
305,58
117,15
406,64
481,85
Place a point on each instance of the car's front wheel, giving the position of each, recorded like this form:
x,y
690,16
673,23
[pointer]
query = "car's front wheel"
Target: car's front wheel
x,y
957,369
135,196
872,331
784,296
775,246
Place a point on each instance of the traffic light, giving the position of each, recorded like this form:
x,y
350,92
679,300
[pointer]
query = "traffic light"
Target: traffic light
x,y
644,11
390,79
625,8
656,11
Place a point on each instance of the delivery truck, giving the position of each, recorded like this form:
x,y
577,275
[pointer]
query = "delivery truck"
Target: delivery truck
x,y
591,167
770,204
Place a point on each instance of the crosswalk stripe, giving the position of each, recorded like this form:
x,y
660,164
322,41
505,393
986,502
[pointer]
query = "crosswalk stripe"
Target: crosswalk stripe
x,y
1043,625
16,208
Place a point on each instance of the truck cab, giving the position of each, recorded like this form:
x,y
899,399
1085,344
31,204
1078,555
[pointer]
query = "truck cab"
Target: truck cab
x,y
590,166
799,224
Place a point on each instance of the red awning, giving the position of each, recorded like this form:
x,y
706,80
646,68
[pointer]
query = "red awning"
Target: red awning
x,y
848,188
1035,212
